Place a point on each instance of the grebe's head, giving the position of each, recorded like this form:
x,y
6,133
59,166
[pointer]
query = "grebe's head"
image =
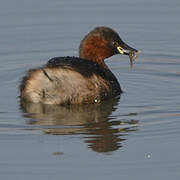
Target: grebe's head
x,y
103,42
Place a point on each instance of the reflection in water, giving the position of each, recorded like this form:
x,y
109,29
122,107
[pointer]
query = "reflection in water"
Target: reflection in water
x,y
101,133
106,136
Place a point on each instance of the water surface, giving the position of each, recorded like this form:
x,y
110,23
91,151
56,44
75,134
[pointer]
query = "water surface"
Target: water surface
x,y
133,136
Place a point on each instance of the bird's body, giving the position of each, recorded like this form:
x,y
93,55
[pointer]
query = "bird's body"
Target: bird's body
x,y
69,80
76,80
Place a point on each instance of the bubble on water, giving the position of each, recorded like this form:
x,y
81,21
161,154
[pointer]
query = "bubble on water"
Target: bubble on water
x,y
148,156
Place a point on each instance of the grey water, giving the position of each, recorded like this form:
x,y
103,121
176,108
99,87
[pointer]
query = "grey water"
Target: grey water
x,y
136,136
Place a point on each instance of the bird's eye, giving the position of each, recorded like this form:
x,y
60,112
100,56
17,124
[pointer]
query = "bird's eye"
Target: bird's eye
x,y
114,43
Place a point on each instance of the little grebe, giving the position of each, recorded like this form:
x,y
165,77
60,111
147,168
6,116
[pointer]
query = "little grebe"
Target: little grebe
x,y
78,80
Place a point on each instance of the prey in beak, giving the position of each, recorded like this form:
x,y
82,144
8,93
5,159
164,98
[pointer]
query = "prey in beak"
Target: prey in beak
x,y
127,50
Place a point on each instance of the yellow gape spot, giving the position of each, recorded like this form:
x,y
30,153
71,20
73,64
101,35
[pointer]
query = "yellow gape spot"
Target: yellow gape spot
x,y
120,49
